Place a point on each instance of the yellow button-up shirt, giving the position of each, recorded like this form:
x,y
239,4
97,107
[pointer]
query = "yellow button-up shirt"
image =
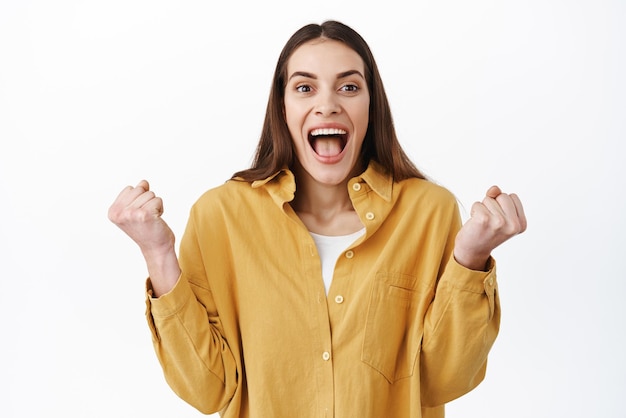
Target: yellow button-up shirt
x,y
249,330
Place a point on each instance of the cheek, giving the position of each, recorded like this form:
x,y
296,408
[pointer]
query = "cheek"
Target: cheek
x,y
360,109
289,120
294,119
362,119
294,130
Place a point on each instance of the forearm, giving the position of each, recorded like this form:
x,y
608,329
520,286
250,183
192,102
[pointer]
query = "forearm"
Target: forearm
x,y
163,269
470,259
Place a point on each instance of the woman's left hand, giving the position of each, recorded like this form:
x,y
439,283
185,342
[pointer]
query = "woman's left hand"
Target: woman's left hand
x,y
497,218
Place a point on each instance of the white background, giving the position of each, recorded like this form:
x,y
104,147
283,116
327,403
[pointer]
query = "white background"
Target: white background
x,y
96,95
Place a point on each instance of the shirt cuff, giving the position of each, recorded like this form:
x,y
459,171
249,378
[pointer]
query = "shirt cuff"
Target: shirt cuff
x,y
462,278
171,302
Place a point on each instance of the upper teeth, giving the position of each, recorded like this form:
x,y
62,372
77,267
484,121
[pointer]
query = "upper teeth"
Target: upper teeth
x,y
328,131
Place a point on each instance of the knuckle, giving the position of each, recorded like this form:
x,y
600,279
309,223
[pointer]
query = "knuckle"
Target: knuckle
x,y
139,216
114,213
499,222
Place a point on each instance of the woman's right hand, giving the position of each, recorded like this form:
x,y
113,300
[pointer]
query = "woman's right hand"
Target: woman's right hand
x,y
137,211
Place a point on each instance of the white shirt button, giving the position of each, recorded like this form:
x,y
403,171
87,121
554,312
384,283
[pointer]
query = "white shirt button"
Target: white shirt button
x,y
369,216
325,356
356,187
339,299
349,254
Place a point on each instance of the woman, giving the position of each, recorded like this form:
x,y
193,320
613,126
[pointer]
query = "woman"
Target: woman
x,y
331,278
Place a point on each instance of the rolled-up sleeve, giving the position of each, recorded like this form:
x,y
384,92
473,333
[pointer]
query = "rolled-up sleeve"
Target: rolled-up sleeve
x,y
189,341
460,328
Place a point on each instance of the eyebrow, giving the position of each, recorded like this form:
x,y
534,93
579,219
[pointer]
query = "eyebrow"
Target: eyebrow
x,y
314,77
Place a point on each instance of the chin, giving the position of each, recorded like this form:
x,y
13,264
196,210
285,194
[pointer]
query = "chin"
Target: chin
x,y
331,176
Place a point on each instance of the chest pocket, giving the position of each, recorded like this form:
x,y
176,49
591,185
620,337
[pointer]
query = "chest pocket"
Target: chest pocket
x,y
395,324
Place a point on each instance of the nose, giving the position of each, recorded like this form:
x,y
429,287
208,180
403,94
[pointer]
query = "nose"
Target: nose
x,y
327,104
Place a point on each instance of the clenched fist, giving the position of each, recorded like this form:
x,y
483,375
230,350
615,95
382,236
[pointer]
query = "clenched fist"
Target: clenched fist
x,y
497,218
137,211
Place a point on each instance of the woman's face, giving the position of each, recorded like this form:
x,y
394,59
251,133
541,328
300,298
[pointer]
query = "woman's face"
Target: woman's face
x,y
327,109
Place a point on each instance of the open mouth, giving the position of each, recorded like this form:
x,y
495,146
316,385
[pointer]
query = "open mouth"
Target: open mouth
x,y
328,142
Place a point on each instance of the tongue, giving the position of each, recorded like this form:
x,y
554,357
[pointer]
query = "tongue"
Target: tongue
x,y
327,147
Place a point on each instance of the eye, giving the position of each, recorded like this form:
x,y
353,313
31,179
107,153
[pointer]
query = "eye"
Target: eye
x,y
349,88
303,88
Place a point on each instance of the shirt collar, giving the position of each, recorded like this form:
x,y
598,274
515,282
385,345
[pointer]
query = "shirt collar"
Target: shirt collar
x,y
378,179
282,184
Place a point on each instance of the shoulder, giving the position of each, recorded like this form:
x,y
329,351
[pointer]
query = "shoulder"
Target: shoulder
x,y
231,193
436,206
425,190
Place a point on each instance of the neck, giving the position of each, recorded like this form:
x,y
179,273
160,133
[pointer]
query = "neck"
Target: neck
x,y
316,198
325,209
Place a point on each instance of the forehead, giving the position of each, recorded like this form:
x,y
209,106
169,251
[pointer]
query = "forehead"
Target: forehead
x,y
324,56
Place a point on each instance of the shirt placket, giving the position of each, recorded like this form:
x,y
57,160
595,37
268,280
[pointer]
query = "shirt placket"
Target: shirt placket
x,y
321,344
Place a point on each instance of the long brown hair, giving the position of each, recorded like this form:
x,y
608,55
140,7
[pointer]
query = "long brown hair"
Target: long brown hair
x,y
275,149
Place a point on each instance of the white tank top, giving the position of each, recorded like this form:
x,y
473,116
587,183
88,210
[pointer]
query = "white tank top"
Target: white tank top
x,y
329,249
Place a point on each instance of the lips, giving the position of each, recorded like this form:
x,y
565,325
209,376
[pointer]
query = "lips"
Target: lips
x,y
328,142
